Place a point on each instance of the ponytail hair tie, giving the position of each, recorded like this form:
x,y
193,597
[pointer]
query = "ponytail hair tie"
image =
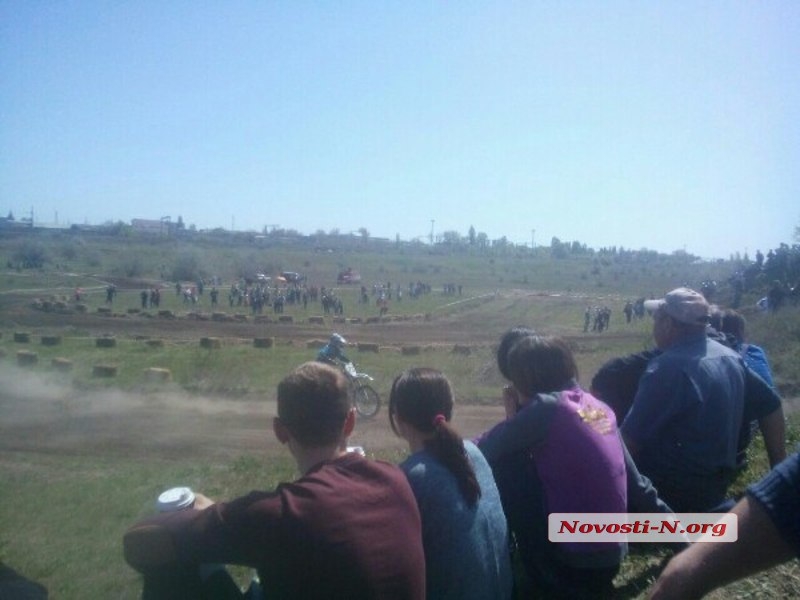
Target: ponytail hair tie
x,y
438,420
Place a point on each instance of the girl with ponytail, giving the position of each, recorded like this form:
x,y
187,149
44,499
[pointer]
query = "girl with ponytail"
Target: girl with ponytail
x,y
464,530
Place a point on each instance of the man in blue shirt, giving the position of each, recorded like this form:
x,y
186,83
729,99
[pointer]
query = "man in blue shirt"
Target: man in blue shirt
x,y
683,426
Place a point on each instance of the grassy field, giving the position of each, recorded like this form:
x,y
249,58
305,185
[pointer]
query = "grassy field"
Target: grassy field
x,y
63,512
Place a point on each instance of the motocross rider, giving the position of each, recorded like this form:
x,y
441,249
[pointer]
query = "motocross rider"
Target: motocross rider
x,y
331,352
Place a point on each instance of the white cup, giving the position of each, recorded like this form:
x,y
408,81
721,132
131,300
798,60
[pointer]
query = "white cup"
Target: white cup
x,y
175,499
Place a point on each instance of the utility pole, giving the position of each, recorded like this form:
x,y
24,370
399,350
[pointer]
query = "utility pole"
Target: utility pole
x,y
533,239
433,222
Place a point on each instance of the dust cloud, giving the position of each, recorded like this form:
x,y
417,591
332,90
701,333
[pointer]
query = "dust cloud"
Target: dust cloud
x,y
46,413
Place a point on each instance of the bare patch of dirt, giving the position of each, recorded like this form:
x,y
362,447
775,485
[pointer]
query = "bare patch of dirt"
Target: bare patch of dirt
x,y
40,416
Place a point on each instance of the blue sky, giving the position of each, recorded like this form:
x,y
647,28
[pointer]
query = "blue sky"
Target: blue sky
x,y
672,125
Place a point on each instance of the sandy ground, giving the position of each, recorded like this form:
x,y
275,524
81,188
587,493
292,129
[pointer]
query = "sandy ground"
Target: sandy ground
x,y
40,416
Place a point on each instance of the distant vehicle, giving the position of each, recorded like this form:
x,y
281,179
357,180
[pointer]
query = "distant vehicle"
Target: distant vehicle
x,y
348,276
292,277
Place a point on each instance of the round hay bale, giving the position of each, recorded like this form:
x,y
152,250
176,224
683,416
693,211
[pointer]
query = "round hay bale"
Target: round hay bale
x,y
155,343
365,347
240,318
103,310
285,319
134,311
22,337
371,320
263,319
81,308
316,320
339,320
411,350
158,374
315,344
462,350
212,343
166,314
219,316
51,340
61,364
26,358
104,371
266,342
355,320
105,342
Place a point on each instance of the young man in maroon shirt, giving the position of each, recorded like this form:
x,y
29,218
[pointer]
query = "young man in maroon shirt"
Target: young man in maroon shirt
x,y
347,528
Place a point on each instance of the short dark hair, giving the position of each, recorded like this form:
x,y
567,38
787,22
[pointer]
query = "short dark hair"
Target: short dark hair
x,y
734,323
313,403
510,337
541,364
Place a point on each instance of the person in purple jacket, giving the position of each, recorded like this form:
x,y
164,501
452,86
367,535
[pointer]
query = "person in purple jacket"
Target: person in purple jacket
x,y
558,451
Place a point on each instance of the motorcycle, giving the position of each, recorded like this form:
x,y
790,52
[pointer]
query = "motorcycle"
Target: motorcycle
x,y
364,397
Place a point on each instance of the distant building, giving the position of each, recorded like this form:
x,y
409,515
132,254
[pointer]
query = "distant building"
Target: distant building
x,y
153,226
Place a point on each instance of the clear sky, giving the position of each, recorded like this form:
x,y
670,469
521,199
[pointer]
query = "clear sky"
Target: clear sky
x,y
665,125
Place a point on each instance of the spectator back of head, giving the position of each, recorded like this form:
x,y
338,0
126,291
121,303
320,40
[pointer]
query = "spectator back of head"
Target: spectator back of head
x,y
313,403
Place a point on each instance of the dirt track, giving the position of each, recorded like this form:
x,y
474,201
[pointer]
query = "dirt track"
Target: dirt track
x,y
38,416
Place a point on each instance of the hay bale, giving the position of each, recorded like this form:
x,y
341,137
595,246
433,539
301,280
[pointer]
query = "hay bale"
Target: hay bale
x,y
355,320
266,342
371,320
315,344
410,350
263,319
365,347
212,343
285,319
166,314
51,340
26,358
220,317
158,374
104,371
462,350
22,337
155,343
339,320
104,310
316,320
81,308
106,341
134,311
61,364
